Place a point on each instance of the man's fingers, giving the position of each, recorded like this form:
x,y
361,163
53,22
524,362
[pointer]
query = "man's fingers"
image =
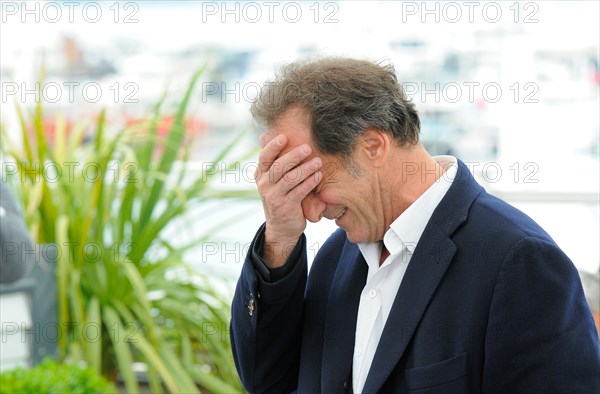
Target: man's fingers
x,y
288,162
298,193
302,180
297,175
275,167
269,153
265,138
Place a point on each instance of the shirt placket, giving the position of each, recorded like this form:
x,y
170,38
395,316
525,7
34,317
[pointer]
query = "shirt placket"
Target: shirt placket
x,y
368,327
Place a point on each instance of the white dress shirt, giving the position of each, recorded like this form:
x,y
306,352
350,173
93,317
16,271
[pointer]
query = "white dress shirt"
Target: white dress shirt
x,y
383,281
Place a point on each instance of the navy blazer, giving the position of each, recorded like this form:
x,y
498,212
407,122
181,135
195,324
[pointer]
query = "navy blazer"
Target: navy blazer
x,y
489,303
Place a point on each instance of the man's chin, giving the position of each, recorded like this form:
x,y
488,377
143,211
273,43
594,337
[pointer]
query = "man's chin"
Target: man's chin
x,y
351,236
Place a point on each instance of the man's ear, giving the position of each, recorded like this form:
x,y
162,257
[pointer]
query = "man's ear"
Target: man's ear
x,y
375,145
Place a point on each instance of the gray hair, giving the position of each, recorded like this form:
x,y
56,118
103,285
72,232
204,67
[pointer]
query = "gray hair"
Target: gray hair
x,y
344,98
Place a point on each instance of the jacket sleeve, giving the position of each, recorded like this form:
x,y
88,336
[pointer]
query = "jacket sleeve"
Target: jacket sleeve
x,y
266,324
541,335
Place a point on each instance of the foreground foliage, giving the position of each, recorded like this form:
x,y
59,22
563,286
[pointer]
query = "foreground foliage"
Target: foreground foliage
x,y
49,377
124,292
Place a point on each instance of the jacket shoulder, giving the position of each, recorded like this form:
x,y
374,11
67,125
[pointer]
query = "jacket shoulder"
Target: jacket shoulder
x,y
503,221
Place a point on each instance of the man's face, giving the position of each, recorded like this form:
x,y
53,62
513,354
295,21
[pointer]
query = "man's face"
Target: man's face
x,y
353,201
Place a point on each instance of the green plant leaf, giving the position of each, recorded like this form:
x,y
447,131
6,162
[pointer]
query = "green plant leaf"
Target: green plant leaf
x,y
122,351
94,355
175,138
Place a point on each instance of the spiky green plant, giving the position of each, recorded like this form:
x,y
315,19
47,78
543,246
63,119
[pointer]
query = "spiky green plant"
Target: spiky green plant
x,y
133,290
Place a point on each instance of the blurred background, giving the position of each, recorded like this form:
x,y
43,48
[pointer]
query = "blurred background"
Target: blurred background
x,y
510,88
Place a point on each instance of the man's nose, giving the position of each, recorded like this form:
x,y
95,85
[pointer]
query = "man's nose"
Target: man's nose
x,y
313,207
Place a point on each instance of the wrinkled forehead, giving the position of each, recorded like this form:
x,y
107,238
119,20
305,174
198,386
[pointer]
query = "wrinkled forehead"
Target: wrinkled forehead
x,y
294,123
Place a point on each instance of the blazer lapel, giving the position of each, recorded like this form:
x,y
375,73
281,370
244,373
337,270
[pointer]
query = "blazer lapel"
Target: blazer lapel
x,y
342,310
425,271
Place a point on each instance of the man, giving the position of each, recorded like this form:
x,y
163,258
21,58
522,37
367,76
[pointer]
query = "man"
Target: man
x,y
430,285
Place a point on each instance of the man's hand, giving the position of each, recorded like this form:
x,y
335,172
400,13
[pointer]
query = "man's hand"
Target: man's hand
x,y
283,181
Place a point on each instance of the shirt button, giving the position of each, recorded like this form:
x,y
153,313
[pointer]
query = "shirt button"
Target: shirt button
x,y
372,293
358,352
346,385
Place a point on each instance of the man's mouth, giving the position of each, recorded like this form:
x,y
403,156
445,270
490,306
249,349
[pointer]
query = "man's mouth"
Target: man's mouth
x,y
340,214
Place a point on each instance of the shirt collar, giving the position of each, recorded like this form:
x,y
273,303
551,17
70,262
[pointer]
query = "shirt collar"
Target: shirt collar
x,y
409,226
406,230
